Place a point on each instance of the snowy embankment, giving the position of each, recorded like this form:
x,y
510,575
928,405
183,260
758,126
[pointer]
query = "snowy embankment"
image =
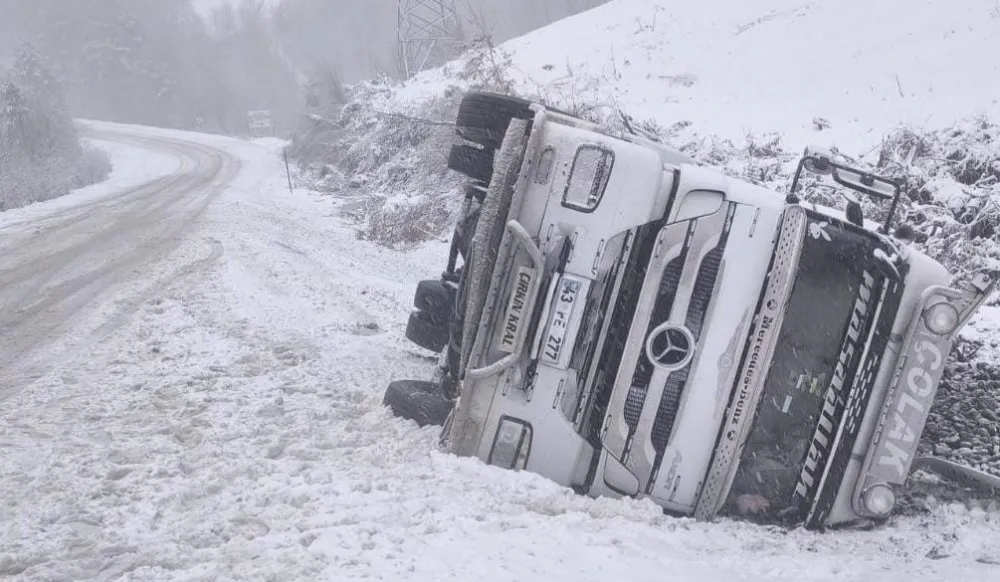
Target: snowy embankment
x,y
910,89
232,430
131,167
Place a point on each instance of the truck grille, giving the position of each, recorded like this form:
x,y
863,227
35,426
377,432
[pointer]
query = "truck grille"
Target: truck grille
x,y
644,368
697,312
693,266
670,401
621,322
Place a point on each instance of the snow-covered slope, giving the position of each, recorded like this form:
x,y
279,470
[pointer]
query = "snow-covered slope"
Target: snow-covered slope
x,y
731,66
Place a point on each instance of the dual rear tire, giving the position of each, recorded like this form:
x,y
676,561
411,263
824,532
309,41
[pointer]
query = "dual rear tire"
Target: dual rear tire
x,y
482,122
428,324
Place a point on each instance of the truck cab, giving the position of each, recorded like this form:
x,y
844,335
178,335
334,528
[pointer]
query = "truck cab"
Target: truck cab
x,y
630,324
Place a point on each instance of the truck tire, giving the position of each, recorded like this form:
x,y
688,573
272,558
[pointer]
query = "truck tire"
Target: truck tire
x,y
427,331
435,297
419,401
483,117
473,162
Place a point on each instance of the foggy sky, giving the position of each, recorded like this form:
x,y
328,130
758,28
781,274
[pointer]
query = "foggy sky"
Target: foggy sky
x,y
155,62
205,6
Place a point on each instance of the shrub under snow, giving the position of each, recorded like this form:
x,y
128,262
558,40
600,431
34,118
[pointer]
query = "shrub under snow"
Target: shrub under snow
x,y
41,156
93,166
393,164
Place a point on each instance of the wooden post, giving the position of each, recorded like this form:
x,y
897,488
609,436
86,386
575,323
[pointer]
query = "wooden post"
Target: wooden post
x,y
288,171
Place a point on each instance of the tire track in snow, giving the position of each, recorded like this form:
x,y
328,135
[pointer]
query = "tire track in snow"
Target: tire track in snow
x,y
49,281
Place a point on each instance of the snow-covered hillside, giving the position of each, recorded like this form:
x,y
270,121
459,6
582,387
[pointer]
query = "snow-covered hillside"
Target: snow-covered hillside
x,y
731,67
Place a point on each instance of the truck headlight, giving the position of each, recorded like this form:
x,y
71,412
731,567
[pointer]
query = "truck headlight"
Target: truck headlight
x,y
511,444
880,500
941,318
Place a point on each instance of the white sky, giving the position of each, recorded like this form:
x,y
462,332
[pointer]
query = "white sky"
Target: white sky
x,y
203,6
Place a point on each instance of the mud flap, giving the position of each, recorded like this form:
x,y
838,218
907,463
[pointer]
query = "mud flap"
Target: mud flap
x,y
959,474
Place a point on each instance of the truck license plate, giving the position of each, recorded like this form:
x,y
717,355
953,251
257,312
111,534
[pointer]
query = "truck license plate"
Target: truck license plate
x,y
556,344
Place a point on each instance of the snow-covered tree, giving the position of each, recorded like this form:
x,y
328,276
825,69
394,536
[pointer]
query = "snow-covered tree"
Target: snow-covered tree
x,y
40,153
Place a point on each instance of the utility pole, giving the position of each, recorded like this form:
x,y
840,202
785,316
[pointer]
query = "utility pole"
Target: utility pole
x,y
428,33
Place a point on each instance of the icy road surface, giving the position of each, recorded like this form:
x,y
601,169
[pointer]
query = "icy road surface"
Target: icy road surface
x,y
57,265
193,362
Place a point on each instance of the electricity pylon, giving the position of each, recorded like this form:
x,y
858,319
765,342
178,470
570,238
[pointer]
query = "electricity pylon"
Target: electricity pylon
x,y
428,33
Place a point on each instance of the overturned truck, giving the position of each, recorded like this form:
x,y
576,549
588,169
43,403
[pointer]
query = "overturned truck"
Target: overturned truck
x,y
625,322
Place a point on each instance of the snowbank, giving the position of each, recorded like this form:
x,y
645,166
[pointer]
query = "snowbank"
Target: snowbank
x,y
131,167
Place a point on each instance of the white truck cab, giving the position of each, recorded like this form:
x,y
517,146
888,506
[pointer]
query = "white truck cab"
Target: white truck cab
x,y
628,323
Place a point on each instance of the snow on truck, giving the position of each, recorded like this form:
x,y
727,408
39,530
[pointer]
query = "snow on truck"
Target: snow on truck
x,y
627,323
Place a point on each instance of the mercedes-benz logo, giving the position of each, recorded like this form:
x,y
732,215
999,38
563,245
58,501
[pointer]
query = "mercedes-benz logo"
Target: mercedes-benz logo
x,y
670,346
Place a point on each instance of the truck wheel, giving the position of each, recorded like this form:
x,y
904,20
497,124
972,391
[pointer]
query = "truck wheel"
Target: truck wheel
x,y
471,161
419,401
483,117
436,298
427,331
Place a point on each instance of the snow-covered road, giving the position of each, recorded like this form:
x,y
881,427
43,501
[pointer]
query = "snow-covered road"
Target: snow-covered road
x,y
212,412
56,267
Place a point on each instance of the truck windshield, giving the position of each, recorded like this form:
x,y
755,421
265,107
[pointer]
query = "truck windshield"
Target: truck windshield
x,y
831,277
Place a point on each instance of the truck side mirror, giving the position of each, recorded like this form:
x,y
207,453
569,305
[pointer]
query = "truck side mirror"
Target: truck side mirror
x,y
864,182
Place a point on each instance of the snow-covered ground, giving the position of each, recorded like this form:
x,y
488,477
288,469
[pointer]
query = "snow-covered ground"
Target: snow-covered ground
x,y
232,430
732,67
